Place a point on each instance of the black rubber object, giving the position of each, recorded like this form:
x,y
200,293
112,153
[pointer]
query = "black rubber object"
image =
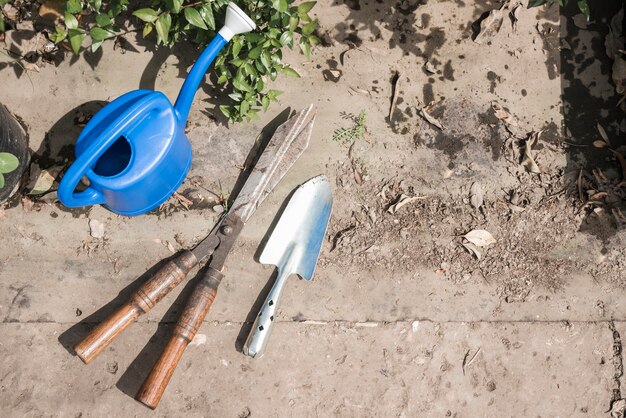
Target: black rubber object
x,y
13,139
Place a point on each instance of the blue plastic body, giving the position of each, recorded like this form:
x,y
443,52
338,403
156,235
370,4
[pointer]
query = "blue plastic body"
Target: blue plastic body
x,y
134,151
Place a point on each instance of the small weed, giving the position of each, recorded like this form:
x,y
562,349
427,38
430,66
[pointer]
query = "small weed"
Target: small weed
x,y
357,131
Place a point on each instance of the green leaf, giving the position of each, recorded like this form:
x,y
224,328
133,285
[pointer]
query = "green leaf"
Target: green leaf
x,y
265,101
58,35
103,19
306,6
96,4
147,15
193,17
222,78
309,27
226,110
70,21
255,52
237,62
207,15
584,8
305,47
2,28
8,162
290,72
147,28
293,22
249,69
1,181
94,46
240,84
99,34
73,6
280,5
266,60
174,5
286,38
244,107
273,94
76,37
237,48
162,25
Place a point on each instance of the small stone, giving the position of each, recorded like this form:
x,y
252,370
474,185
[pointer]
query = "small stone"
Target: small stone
x,y
218,208
491,386
97,228
112,367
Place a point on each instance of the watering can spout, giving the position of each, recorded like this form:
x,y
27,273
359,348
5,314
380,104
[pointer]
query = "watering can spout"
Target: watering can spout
x,y
237,22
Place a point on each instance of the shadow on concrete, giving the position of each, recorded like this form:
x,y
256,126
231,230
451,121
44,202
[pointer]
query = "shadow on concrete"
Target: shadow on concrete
x,y
578,56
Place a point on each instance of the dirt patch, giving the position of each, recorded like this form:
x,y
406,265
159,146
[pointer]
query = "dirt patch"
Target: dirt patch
x,y
535,221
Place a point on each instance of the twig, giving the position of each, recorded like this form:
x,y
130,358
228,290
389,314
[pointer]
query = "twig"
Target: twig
x,y
395,81
468,363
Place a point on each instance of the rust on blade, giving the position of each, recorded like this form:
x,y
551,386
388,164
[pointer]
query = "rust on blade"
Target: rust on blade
x,y
287,144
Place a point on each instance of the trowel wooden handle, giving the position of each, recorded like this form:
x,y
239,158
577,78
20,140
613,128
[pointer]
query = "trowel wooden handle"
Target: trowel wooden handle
x,y
196,310
144,299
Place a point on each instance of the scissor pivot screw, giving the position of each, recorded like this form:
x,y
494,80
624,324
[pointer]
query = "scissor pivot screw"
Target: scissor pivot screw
x,y
227,229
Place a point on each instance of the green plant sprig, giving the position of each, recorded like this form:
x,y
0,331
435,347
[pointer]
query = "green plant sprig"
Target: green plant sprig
x,y
243,67
351,134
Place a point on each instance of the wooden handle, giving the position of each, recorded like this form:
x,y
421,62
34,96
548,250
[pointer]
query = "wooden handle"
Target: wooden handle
x,y
141,301
197,308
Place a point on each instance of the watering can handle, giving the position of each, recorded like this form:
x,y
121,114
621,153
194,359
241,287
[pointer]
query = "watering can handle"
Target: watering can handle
x,y
79,168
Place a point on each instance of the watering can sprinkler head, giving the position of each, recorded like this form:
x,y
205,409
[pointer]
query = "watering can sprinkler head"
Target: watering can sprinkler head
x,y
237,22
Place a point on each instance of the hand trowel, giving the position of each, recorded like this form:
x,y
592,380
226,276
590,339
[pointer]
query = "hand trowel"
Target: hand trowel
x,y
293,247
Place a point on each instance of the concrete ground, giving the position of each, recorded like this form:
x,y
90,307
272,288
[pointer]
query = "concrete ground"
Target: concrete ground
x,y
399,321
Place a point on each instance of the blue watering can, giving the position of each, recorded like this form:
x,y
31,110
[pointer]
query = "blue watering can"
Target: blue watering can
x,y
134,151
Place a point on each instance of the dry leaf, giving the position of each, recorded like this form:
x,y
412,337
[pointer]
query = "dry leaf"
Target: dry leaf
x,y
476,195
186,203
580,21
29,66
358,177
430,119
603,133
402,201
41,181
598,196
96,228
170,247
502,114
598,143
10,12
480,237
429,67
490,26
528,161
473,249
513,16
